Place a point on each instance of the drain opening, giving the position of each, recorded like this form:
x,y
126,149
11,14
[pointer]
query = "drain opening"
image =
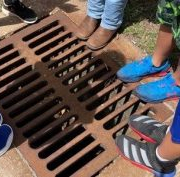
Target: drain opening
x,y
12,66
124,115
6,49
51,45
51,133
70,153
61,142
44,122
40,31
108,95
62,49
47,37
124,129
71,65
16,75
87,69
24,94
18,85
9,57
37,112
90,80
93,91
30,103
115,105
81,162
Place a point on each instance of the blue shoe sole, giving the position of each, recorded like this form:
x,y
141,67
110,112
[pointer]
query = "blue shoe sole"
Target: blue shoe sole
x,y
160,74
172,174
155,101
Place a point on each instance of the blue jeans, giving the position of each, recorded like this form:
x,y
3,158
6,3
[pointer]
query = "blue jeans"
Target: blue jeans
x,y
175,127
109,11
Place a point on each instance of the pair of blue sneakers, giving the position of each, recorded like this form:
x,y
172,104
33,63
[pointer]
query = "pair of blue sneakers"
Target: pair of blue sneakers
x,y
6,136
153,92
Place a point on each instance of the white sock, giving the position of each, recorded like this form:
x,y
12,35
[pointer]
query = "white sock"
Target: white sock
x,y
159,157
167,130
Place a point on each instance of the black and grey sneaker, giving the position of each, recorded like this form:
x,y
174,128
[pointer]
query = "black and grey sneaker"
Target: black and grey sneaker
x,y
148,128
18,9
143,155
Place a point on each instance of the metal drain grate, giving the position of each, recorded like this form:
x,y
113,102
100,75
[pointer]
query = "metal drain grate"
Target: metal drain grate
x,y
63,101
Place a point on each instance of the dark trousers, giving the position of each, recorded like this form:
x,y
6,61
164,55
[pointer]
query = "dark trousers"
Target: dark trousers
x,y
175,128
9,2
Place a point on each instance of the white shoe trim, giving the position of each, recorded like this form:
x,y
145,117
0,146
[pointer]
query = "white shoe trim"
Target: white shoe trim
x,y
9,142
1,119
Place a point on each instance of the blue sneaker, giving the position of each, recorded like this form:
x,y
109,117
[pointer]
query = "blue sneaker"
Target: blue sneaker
x,y
1,119
139,69
6,138
158,91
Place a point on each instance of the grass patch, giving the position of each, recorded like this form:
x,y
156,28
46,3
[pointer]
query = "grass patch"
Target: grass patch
x,y
140,24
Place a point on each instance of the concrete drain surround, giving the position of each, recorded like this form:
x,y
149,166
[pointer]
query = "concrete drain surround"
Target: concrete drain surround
x,y
63,101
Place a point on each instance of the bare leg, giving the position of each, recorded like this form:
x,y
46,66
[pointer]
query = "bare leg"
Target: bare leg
x,y
164,45
169,150
170,147
177,74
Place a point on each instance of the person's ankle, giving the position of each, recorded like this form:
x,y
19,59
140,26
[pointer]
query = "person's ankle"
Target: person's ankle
x,y
159,157
157,61
177,79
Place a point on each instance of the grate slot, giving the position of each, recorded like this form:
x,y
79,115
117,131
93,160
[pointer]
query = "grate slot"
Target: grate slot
x,y
81,162
54,32
33,115
82,71
48,55
54,41
22,82
16,74
44,119
73,54
24,94
70,152
106,96
118,102
36,113
102,89
56,130
40,31
118,130
6,49
123,115
56,145
68,62
89,78
11,55
48,116
12,66
68,119
28,103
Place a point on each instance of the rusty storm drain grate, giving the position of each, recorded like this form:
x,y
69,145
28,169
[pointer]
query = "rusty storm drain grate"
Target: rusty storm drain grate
x,y
63,101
